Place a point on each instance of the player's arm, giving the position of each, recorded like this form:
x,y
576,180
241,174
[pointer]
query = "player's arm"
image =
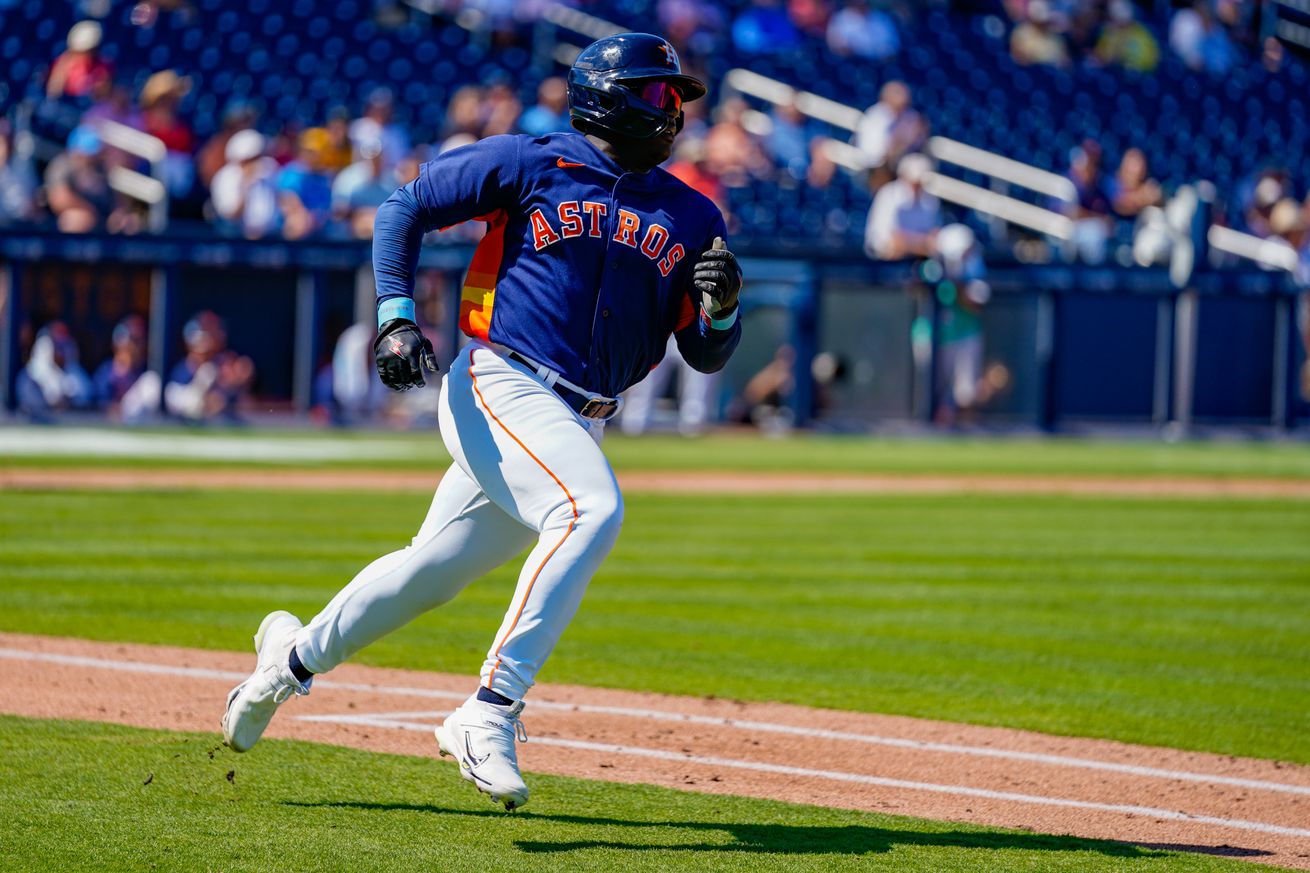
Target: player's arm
x,y
460,185
712,333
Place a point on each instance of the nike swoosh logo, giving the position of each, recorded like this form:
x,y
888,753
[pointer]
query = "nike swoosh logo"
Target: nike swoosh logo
x,y
563,164
474,760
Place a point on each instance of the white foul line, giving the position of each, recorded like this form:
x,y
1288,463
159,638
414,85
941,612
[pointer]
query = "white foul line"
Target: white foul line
x,y
685,718
859,778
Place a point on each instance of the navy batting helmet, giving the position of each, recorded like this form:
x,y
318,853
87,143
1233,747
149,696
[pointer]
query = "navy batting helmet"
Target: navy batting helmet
x,y
629,84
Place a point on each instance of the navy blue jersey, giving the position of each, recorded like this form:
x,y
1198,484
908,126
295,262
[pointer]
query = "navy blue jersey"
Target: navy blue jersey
x,y
585,267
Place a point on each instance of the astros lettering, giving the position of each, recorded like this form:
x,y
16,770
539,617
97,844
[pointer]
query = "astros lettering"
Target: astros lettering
x,y
627,230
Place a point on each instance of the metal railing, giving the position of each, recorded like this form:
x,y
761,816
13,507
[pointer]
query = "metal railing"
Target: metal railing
x,y
1003,171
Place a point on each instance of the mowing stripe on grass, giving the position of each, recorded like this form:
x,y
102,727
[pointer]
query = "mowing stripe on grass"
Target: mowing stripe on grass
x,y
663,715
838,776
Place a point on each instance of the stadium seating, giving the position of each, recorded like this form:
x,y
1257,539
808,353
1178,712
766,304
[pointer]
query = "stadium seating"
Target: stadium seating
x,y
295,59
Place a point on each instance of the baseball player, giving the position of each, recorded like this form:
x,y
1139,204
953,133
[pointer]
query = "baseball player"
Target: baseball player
x,y
592,258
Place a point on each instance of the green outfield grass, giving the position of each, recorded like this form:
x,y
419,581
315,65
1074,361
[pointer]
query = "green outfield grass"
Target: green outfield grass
x,y
1178,623
94,797
728,451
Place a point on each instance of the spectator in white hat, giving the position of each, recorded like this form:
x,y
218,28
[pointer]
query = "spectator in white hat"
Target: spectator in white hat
x,y
75,72
242,192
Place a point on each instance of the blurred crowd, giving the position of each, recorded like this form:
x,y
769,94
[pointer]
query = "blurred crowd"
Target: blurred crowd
x,y
260,176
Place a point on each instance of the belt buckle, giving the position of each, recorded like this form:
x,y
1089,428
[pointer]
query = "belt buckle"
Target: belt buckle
x,y
597,408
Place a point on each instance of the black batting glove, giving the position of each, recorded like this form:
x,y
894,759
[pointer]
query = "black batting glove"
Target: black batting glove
x,y
402,353
718,277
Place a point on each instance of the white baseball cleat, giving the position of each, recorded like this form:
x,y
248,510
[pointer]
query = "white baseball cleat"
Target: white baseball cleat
x,y
250,706
481,737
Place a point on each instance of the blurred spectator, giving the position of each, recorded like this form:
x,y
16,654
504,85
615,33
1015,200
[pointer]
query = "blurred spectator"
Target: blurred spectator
x,y
1271,186
112,102
159,100
1125,42
763,401
1036,41
242,191
889,129
695,124
693,27
551,111
858,30
1200,40
1132,189
376,124
788,140
304,192
53,380
332,141
500,109
238,115
123,385
960,387
355,392
733,154
822,167
77,188
1090,210
904,218
810,16
360,189
764,28
17,182
463,114
212,381
691,167
76,71
697,395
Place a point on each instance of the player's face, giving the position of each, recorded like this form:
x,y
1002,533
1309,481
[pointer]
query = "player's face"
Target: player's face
x,y
656,150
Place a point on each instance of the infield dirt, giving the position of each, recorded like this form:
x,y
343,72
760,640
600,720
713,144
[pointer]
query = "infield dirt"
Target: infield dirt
x,y
1247,808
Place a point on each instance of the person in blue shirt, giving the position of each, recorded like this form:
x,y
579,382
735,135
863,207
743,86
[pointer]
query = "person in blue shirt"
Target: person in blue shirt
x,y
304,192
593,258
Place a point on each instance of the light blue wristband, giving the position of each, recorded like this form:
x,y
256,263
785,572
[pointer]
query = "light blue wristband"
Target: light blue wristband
x,y
726,322
395,307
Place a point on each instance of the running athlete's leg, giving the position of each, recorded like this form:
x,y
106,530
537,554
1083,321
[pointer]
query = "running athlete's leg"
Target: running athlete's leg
x,y
537,459
464,536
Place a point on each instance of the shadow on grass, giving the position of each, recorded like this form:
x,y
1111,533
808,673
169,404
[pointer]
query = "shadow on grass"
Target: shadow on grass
x,y
777,839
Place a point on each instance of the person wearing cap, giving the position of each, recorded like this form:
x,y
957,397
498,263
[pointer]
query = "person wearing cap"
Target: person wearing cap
x,y
304,191
53,380
77,187
361,188
124,387
212,381
960,385
904,219
242,193
336,151
160,97
75,72
1125,42
238,115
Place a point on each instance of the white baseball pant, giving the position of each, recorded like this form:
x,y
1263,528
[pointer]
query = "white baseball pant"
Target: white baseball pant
x,y
527,467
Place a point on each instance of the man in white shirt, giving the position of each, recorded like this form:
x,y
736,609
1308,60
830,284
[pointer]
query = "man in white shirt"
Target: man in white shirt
x,y
890,128
904,219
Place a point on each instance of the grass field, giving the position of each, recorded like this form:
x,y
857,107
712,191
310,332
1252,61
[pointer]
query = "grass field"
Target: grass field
x,y
1174,622
94,797
730,451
